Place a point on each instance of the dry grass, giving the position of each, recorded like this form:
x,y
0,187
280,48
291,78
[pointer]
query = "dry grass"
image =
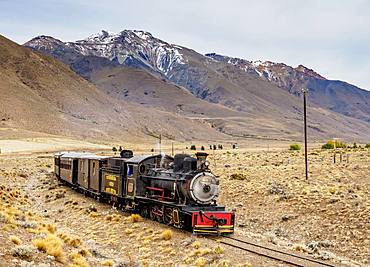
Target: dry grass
x,y
78,260
107,263
201,262
167,234
52,245
15,239
219,250
196,244
135,218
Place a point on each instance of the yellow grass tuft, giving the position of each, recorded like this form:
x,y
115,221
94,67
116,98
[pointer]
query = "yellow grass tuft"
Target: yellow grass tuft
x,y
78,260
224,263
201,262
167,234
107,263
196,244
300,247
15,239
135,218
84,252
129,231
75,242
52,245
219,250
51,228
94,214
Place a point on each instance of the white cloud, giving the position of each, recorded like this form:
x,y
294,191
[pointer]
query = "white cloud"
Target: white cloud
x,y
329,36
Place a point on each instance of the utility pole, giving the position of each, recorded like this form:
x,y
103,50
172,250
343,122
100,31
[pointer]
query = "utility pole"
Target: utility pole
x,y
172,149
305,130
160,144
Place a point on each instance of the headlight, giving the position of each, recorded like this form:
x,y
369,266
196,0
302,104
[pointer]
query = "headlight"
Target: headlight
x,y
206,163
204,188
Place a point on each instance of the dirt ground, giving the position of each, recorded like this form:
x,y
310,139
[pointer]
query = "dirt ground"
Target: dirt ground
x,y
328,216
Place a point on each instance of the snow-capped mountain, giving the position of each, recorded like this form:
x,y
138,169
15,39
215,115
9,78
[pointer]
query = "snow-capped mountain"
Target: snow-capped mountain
x,y
232,82
278,73
126,48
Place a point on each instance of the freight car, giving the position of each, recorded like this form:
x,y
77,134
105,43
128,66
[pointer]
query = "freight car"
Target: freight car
x,y
179,191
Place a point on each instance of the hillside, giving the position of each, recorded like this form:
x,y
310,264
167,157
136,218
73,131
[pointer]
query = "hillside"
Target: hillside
x,y
337,96
42,94
138,68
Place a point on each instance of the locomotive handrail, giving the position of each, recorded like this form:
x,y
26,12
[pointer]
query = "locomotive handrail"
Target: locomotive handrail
x,y
163,178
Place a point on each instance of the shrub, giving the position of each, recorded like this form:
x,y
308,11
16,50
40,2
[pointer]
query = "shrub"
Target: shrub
x,y
167,234
78,260
219,250
201,262
330,145
114,149
193,147
23,251
367,145
354,145
202,148
196,244
52,245
238,176
107,263
295,147
15,239
135,218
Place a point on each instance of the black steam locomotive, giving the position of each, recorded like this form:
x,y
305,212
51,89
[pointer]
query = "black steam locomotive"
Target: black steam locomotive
x,y
179,191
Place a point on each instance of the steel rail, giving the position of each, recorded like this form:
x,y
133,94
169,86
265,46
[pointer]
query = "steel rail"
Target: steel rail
x,y
273,253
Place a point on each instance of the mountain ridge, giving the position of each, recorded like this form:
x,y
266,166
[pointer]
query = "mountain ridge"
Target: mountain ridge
x,y
254,92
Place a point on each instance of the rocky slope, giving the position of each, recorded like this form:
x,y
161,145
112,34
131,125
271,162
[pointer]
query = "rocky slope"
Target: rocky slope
x,y
136,67
337,96
39,93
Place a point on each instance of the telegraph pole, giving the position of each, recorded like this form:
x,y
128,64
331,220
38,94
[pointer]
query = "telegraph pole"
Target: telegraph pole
x,y
305,130
160,143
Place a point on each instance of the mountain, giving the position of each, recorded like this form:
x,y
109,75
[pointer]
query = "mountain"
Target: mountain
x,y
42,94
136,67
337,96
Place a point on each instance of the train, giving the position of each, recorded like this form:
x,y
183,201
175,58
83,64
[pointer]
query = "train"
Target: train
x,y
180,191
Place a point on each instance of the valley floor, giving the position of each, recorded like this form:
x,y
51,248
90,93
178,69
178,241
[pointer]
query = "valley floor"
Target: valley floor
x,y
327,216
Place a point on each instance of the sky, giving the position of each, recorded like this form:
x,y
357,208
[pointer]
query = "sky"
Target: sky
x,y
330,36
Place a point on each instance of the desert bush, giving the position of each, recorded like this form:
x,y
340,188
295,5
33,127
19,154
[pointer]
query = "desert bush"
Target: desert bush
x,y
201,262
78,260
367,145
107,263
196,244
238,176
330,145
202,148
193,147
135,218
167,234
52,245
23,251
295,147
15,239
219,250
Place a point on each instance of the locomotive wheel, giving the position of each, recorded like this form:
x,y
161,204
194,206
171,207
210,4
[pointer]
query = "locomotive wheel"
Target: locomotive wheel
x,y
152,215
167,216
144,212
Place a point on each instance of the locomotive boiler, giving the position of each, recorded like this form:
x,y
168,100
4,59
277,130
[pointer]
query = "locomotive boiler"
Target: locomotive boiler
x,y
187,180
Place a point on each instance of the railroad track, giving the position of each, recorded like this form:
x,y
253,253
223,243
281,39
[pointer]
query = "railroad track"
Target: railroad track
x,y
273,253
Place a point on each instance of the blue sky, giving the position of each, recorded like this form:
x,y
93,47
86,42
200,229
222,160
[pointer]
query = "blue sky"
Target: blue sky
x,y
332,37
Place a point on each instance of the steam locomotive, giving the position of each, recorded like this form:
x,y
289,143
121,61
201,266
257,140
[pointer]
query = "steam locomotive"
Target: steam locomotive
x,y
179,191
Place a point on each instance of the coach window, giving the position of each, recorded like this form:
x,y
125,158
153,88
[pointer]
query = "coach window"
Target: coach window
x,y
130,170
93,167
